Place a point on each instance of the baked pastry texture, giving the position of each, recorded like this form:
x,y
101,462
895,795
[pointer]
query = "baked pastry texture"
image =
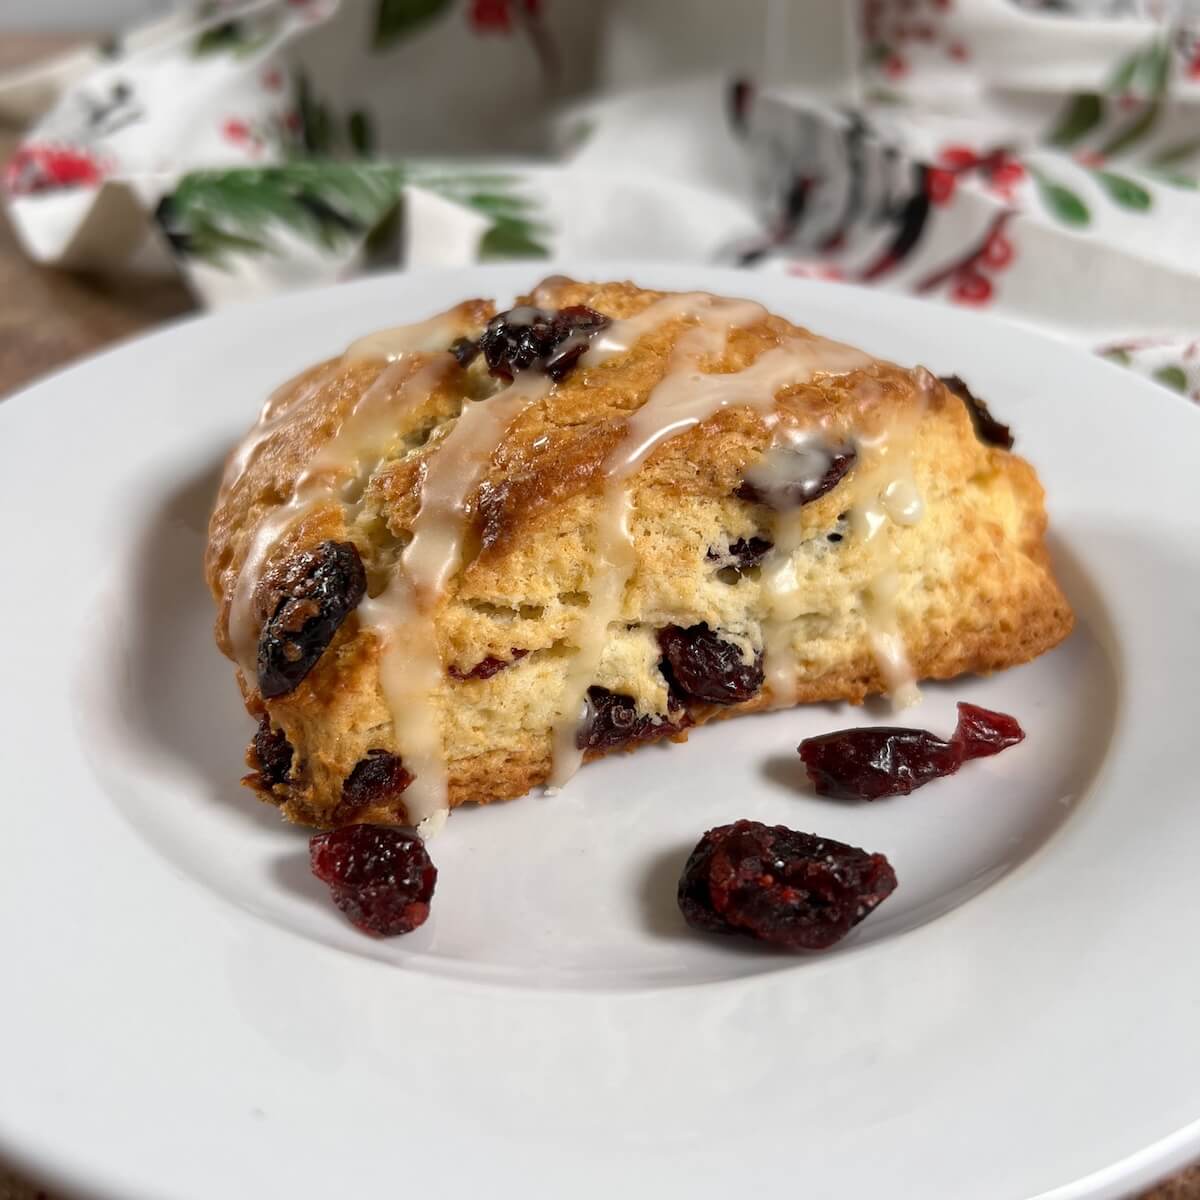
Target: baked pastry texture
x,y
467,553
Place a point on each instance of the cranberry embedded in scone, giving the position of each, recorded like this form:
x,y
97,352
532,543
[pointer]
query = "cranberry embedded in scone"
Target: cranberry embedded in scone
x,y
314,591
272,753
380,778
531,337
701,665
614,721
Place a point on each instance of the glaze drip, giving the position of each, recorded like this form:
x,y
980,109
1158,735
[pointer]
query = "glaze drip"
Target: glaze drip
x,y
684,398
402,617
362,439
423,337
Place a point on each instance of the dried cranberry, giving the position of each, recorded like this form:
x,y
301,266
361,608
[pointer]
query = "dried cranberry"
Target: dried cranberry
x,y
987,428
464,350
380,877
745,552
798,476
377,779
315,591
613,720
486,667
532,337
982,732
794,890
864,764
272,752
700,665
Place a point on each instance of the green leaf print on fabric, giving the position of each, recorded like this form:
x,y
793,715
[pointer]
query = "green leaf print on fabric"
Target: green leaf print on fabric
x,y
1134,132
396,19
360,132
511,239
215,39
1117,355
1123,75
325,134
1083,113
1147,71
1172,377
1179,152
215,215
516,231
1061,201
1125,191
1177,179
316,123
497,204
239,38
1156,69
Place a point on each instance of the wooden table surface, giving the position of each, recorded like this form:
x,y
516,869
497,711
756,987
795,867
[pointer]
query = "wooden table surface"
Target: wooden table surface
x,y
49,318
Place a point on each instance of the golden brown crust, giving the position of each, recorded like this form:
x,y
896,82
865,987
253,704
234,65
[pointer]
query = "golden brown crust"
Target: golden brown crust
x,y
975,592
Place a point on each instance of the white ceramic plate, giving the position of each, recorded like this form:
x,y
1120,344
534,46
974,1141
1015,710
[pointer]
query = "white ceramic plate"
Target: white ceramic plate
x,y
184,1014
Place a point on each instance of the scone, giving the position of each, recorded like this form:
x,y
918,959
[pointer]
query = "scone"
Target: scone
x,y
469,554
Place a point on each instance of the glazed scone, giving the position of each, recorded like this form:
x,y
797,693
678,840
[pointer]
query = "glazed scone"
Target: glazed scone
x,y
452,563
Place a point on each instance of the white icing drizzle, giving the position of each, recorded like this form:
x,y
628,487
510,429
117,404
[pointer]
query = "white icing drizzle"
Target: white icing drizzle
x,y
784,602
884,493
621,336
427,337
359,442
452,474
795,467
523,314
403,615
685,397
887,644
613,566
410,675
269,420
544,293
901,501
799,462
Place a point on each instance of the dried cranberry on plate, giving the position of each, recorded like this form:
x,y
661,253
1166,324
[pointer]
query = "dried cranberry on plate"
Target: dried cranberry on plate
x,y
874,761
797,891
380,877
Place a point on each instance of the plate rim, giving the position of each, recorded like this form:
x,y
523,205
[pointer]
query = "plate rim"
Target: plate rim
x,y
1141,1166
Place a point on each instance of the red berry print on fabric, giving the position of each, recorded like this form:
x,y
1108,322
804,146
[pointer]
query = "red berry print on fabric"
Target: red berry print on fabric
x,y
968,277
997,251
972,288
42,168
959,157
941,184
